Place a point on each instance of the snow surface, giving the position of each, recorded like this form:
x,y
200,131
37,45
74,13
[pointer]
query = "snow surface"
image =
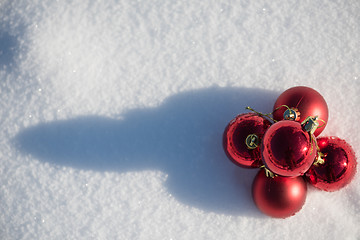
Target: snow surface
x,y
112,113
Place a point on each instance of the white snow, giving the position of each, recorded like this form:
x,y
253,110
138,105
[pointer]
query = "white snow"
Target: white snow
x,y
112,113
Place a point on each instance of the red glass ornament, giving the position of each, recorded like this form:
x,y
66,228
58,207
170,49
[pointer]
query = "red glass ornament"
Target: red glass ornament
x,y
236,134
338,168
288,150
306,101
278,197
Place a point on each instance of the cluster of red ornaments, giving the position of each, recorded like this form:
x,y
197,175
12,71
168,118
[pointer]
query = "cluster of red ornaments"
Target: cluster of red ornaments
x,y
286,149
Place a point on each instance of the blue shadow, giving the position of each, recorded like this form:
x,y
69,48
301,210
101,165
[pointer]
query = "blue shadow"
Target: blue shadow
x,y
182,137
8,46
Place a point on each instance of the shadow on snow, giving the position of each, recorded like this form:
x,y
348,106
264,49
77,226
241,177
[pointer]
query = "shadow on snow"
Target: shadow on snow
x,y
182,137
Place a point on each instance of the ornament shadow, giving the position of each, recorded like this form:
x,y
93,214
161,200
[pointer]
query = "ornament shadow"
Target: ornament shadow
x,y
8,46
182,137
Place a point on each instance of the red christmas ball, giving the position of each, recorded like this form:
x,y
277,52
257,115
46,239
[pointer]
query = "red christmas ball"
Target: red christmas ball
x,y
338,167
242,137
306,101
287,149
278,197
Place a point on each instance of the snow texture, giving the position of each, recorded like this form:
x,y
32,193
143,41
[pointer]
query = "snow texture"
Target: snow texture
x,y
112,113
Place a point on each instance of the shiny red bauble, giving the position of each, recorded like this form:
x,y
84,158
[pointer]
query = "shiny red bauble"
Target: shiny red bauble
x,y
287,149
339,165
307,102
236,134
278,197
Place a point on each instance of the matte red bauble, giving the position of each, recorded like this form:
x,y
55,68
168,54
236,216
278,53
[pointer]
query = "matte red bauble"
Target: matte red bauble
x,y
288,150
278,197
338,167
306,101
241,139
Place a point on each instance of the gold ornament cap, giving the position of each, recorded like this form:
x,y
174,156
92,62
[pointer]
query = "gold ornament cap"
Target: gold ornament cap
x,y
292,114
310,124
252,141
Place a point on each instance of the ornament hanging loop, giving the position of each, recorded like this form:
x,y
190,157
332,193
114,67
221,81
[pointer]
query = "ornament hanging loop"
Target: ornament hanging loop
x,y
268,173
261,114
319,159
